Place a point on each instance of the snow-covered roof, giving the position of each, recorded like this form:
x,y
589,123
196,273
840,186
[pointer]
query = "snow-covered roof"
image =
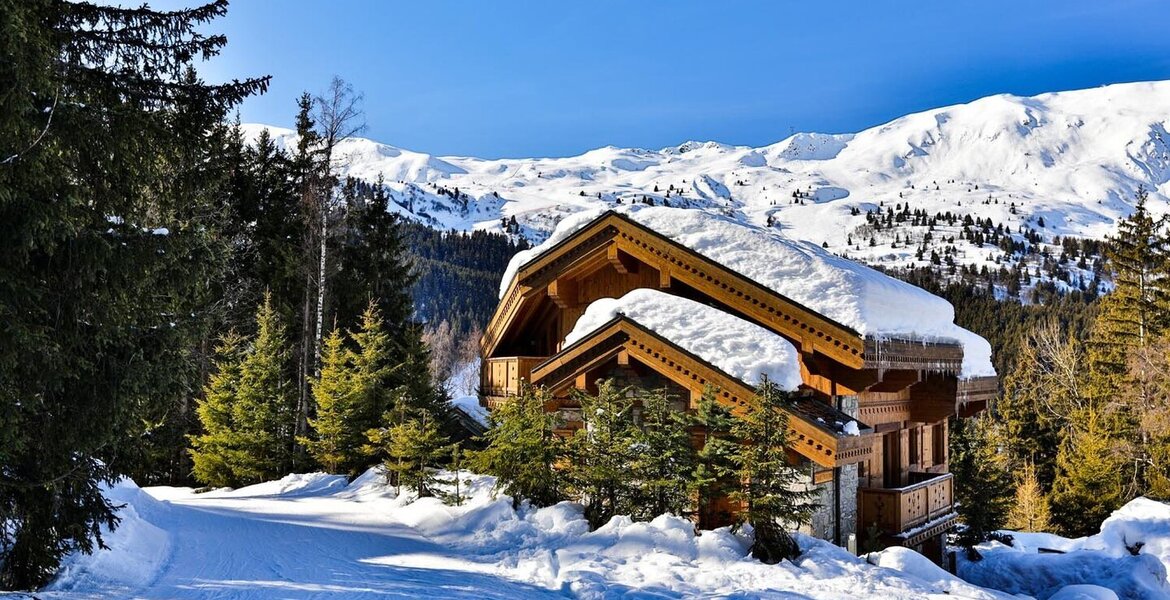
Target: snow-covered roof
x,y
856,296
736,347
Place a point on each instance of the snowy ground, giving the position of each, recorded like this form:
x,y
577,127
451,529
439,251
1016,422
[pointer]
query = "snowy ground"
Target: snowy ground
x,y
313,536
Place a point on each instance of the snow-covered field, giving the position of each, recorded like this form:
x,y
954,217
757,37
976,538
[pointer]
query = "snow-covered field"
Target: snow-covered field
x,y
314,536
1063,164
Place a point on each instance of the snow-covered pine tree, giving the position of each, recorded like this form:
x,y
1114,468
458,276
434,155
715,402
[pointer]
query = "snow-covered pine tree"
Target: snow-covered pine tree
x,y
663,458
770,492
523,450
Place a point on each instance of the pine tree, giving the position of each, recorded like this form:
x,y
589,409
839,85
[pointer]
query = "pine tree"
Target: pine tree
x,y
523,450
713,478
770,492
264,413
982,485
336,439
413,446
663,458
600,454
109,245
1089,478
1029,510
373,368
214,450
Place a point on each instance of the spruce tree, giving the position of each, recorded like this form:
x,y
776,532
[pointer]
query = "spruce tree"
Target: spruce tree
x,y
713,478
522,449
264,413
600,454
1089,478
663,458
214,450
1029,510
336,438
982,484
771,491
108,247
413,446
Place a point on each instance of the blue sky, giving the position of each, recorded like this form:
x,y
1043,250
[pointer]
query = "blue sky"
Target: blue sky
x,y
499,78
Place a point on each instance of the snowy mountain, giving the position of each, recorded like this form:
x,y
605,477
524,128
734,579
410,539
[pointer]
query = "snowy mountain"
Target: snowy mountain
x,y
1063,164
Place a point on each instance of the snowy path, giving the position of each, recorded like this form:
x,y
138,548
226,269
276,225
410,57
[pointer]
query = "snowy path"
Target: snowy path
x,y
296,547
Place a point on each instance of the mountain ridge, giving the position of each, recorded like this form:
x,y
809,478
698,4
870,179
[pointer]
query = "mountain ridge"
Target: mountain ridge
x,y
1055,165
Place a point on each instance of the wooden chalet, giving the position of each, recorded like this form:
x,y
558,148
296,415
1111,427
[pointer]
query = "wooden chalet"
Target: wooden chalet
x,y
887,476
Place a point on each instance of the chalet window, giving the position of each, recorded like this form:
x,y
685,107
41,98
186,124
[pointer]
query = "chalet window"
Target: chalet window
x,y
916,446
892,459
940,443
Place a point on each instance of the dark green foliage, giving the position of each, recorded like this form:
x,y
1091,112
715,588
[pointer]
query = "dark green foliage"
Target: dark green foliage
x,y
522,450
663,462
458,274
600,454
983,487
249,429
714,474
770,490
1088,484
413,446
106,138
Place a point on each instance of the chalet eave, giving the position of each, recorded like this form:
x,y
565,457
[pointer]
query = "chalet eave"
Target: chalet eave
x,y
624,339
615,239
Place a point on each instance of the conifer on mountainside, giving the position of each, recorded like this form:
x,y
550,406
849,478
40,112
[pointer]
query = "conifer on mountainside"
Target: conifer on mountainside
x,y
1138,308
522,449
1029,511
771,491
248,414
335,439
1089,481
110,149
982,484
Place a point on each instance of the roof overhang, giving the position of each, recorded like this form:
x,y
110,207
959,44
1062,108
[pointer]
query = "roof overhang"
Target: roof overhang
x,y
813,434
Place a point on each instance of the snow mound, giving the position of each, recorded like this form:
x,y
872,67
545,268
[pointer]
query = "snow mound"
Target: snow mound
x,y
1105,559
856,296
136,550
291,486
1084,592
740,349
918,566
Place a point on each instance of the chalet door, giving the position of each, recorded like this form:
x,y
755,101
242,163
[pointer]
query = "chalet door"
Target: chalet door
x,y
892,459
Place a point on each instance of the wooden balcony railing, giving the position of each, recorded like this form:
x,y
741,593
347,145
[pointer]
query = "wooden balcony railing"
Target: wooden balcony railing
x,y
501,377
896,510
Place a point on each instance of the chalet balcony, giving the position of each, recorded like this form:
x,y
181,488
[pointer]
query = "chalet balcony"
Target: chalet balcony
x,y
501,377
897,511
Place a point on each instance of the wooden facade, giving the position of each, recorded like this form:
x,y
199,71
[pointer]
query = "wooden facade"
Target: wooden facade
x,y
900,391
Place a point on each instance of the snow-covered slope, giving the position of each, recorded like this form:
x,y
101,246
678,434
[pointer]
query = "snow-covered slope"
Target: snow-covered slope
x,y
1072,159
313,536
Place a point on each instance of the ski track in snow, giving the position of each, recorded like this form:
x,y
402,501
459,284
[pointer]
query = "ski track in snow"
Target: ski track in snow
x,y
223,548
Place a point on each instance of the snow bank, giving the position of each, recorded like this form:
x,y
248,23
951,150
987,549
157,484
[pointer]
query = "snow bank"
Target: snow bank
x,y
135,552
297,484
918,566
1103,560
740,349
870,302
